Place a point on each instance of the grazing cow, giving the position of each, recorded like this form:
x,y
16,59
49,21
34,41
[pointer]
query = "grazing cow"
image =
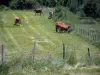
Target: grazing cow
x,y
17,21
60,26
40,11
50,14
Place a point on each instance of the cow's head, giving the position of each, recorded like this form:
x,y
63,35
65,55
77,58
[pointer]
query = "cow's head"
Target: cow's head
x,y
69,26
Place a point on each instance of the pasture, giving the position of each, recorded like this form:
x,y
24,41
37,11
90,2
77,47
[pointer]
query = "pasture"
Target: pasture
x,y
19,41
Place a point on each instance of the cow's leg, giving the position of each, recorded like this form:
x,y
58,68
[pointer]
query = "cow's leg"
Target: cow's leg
x,y
56,29
15,22
35,13
19,22
69,30
40,13
62,29
50,15
66,29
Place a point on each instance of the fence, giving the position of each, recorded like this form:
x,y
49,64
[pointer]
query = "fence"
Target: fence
x,y
89,33
68,52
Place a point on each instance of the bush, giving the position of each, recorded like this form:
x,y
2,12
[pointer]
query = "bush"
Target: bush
x,y
81,14
60,13
4,68
72,60
13,4
3,7
23,4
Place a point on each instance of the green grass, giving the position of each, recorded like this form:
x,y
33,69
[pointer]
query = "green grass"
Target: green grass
x,y
18,43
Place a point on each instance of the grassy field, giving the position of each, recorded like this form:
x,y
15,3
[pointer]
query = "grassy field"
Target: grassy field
x,y
19,41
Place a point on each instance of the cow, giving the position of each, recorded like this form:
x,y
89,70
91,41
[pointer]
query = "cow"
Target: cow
x,y
50,14
40,11
17,21
61,27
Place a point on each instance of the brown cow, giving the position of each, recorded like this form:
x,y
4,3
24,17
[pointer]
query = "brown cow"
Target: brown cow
x,y
60,26
17,21
40,11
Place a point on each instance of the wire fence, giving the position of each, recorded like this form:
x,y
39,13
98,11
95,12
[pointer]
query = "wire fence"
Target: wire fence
x,y
70,53
90,33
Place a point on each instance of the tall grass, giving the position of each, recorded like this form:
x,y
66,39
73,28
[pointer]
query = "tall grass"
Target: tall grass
x,y
23,65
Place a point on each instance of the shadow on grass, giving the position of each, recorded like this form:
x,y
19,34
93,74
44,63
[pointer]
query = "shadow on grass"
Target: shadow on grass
x,y
7,26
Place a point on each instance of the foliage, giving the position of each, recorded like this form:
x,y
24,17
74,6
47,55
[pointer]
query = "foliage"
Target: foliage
x,y
13,4
23,4
60,13
3,7
73,58
92,9
4,69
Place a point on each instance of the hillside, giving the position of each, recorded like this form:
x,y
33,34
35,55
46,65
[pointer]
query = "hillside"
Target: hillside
x,y
19,41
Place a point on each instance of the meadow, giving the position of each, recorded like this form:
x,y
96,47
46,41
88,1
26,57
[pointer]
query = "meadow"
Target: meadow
x,y
19,41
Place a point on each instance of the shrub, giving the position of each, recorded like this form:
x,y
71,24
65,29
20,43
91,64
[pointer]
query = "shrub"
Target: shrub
x,y
4,68
3,7
23,4
60,13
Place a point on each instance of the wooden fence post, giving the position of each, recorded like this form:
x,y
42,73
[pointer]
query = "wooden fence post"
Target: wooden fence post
x,y
64,51
98,38
93,37
2,54
78,30
89,35
34,50
73,27
83,32
88,52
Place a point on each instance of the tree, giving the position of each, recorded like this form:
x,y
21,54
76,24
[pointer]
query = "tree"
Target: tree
x,y
23,4
92,8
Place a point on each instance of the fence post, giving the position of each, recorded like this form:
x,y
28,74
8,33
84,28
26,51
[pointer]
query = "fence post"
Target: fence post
x,y
2,54
34,50
74,27
64,51
93,37
98,38
88,52
83,32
